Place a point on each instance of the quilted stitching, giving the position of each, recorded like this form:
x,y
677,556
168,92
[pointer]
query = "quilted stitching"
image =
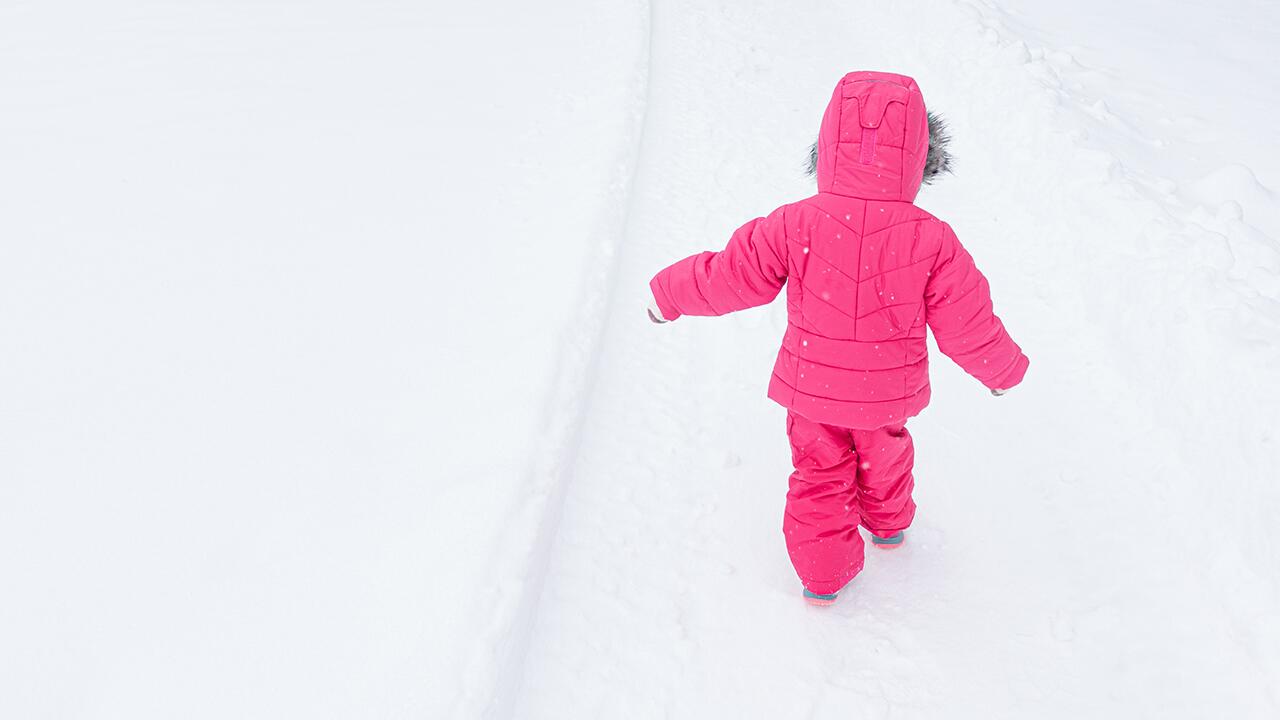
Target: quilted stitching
x,y
864,270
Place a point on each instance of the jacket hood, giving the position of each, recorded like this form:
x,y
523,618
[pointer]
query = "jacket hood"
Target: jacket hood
x,y
874,138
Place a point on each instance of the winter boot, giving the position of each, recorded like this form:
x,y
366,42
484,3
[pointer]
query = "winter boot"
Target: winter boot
x,y
892,542
814,598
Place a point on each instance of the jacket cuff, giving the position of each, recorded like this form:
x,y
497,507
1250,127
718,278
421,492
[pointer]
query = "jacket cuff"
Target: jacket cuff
x,y
661,301
1013,376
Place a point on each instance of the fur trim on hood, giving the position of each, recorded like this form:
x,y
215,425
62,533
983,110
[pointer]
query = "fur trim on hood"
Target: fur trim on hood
x,y
937,162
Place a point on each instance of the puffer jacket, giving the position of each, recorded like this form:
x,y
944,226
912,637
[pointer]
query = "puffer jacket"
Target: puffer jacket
x,y
865,270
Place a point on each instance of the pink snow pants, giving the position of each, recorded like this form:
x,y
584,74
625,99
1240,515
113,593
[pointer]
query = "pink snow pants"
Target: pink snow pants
x,y
843,478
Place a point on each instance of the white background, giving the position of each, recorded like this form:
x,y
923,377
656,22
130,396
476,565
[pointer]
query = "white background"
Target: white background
x,y
326,388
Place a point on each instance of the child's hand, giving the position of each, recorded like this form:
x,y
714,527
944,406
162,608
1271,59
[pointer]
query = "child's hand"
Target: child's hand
x,y
656,315
998,391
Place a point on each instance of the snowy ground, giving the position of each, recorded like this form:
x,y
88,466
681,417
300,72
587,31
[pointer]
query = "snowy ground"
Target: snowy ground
x,y
326,388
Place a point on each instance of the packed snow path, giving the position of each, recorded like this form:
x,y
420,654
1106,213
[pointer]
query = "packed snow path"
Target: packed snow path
x,y
1095,544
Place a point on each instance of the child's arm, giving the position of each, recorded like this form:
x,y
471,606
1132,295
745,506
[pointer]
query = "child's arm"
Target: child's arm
x,y
748,272
959,311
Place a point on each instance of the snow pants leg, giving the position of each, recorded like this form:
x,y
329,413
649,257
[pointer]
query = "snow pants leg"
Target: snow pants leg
x,y
843,478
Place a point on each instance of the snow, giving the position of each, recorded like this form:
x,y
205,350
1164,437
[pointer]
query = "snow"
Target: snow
x,y
327,390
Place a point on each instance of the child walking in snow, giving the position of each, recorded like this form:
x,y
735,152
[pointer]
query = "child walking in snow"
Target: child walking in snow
x,y
866,270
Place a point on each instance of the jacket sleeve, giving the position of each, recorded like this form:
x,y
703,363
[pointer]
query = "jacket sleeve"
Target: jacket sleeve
x,y
959,311
748,272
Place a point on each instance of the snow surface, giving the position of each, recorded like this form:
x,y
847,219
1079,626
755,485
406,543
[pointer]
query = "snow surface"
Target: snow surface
x,y
326,387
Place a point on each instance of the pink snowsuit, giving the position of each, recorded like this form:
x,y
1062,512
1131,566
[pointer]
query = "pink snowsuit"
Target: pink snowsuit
x,y
865,270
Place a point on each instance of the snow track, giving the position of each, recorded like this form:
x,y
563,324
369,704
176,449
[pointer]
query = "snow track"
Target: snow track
x,y
1058,567
497,665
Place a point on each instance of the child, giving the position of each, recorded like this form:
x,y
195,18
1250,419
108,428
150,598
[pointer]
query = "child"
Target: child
x,y
865,271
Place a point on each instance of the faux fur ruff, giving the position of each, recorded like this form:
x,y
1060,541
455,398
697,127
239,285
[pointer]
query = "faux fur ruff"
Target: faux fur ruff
x,y
937,162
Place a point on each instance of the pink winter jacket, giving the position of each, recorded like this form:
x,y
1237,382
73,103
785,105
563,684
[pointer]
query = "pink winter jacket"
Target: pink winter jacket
x,y
865,271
